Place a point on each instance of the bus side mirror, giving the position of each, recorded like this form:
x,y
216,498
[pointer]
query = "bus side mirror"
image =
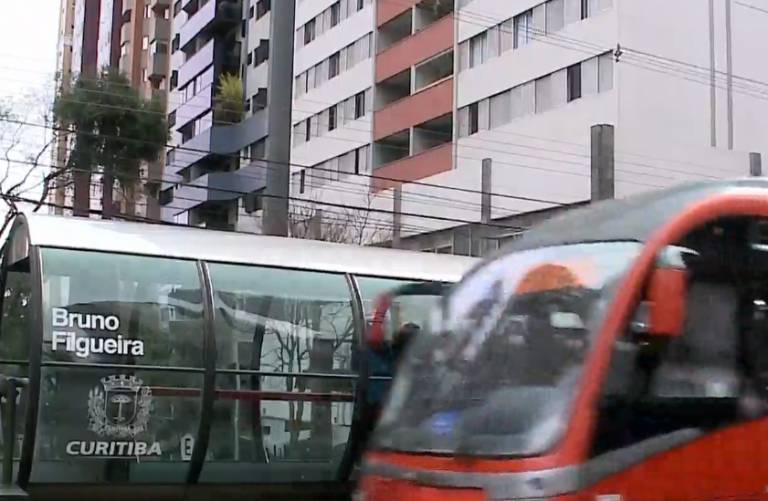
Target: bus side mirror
x,y
663,311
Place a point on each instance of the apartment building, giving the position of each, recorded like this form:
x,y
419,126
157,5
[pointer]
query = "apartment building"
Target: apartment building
x,y
216,159
521,84
64,55
134,37
144,58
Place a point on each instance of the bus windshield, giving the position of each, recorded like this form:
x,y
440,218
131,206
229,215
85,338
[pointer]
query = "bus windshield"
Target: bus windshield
x,y
495,372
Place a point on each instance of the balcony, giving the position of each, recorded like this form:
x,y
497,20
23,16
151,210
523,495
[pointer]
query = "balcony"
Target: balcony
x,y
386,11
214,15
412,168
423,106
158,66
126,33
160,5
434,39
196,64
219,140
220,186
159,29
198,22
198,105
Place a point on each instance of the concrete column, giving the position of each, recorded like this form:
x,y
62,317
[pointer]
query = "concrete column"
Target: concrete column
x,y
280,103
603,185
397,216
755,164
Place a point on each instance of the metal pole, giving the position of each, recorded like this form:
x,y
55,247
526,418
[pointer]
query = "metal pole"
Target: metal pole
x,y
280,102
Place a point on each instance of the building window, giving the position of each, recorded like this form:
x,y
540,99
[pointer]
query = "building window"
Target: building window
x,y
476,50
243,28
332,118
309,31
251,12
174,79
590,8
605,72
146,12
262,7
359,105
543,94
333,65
360,4
172,118
335,18
250,58
523,28
302,180
474,118
574,82
555,15
261,52
175,43
307,129
145,43
176,8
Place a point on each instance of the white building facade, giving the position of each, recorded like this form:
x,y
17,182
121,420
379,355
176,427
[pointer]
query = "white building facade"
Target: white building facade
x,y
520,83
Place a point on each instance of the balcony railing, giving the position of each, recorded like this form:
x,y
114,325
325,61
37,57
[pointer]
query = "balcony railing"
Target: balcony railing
x,y
417,108
196,64
427,163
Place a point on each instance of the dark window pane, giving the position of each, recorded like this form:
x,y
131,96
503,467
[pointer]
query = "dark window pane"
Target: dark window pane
x,y
108,426
115,308
574,82
474,118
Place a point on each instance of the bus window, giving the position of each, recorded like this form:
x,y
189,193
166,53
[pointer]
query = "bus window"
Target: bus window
x,y
708,377
273,326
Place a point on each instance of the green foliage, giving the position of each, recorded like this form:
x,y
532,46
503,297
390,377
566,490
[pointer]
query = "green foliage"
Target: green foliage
x,y
229,99
114,128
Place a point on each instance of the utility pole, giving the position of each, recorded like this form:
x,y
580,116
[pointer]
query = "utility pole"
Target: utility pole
x,y
279,102
755,164
602,162
485,204
397,216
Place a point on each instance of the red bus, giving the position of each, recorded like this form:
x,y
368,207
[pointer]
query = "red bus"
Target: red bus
x,y
619,352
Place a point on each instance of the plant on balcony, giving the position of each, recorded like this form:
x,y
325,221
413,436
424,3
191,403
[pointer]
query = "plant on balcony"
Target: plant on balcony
x,y
114,132
229,107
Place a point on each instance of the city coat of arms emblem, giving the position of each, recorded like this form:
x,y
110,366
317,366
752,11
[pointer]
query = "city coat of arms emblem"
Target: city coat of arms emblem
x,y
119,407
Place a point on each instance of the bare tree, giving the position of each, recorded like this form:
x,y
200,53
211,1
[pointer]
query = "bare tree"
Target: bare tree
x,y
25,178
352,225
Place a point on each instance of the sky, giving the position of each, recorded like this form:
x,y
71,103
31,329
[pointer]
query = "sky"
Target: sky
x,y
28,38
28,35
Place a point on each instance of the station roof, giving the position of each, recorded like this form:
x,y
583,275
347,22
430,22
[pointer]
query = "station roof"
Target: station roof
x,y
633,218
229,247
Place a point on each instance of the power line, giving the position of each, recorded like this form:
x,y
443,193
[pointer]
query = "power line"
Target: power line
x,y
332,204
243,157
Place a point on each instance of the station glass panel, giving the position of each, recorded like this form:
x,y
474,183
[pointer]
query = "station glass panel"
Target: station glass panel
x,y
100,420
15,333
286,346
